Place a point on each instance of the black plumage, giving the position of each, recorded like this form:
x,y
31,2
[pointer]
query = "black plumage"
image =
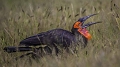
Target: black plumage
x,y
55,36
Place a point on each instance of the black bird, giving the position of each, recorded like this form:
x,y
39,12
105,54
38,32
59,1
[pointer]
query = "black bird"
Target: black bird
x,y
79,35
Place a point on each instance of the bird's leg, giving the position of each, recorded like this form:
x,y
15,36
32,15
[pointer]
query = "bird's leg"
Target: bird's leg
x,y
55,49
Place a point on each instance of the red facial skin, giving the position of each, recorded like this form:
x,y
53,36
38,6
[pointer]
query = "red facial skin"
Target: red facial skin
x,y
82,31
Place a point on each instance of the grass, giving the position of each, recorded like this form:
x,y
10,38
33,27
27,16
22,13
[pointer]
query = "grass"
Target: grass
x,y
20,19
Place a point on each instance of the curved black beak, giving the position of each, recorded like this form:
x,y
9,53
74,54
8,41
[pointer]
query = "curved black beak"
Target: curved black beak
x,y
85,18
89,24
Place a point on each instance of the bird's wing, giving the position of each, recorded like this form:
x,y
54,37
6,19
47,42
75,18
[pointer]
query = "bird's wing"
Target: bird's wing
x,y
33,40
55,36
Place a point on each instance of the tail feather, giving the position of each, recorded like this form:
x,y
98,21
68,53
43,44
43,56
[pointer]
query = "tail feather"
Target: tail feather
x,y
11,49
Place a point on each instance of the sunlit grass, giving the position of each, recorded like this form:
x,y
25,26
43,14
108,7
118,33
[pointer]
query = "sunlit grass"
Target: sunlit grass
x,y
20,19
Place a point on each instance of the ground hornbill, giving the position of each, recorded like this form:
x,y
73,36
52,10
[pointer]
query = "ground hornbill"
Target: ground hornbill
x,y
56,38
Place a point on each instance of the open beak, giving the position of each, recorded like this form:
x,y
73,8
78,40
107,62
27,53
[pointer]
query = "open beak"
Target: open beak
x,y
82,27
89,24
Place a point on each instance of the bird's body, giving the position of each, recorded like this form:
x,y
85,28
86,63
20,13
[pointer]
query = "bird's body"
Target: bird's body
x,y
55,36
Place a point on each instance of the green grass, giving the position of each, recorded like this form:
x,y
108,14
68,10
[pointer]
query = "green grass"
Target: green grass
x,y
20,19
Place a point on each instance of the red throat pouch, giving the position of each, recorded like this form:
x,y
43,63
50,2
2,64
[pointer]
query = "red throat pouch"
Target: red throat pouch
x,y
85,33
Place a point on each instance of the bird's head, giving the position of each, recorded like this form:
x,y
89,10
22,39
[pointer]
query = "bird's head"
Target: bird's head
x,y
81,27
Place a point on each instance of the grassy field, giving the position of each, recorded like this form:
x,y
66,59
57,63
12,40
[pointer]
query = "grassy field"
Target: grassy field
x,y
20,19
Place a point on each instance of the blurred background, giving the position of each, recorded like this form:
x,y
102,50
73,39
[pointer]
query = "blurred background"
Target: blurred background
x,y
22,18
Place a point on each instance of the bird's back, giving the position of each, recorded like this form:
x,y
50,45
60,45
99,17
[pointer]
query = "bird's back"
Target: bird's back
x,y
55,36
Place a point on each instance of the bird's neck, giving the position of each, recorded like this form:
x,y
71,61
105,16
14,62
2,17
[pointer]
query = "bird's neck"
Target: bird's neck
x,y
79,38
